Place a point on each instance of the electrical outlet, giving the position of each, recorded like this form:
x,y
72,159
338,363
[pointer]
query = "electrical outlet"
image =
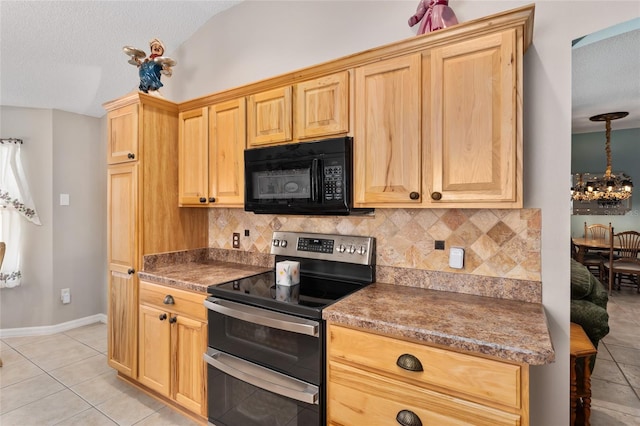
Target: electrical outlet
x,y
65,295
235,242
246,232
439,245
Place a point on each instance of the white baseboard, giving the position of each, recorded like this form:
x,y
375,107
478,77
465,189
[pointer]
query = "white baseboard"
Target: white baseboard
x,y
52,329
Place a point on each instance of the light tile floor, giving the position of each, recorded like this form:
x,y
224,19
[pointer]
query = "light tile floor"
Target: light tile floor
x,y
63,379
615,383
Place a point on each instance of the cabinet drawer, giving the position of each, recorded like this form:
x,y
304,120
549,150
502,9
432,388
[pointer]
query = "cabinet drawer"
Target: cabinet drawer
x,y
184,302
357,397
467,375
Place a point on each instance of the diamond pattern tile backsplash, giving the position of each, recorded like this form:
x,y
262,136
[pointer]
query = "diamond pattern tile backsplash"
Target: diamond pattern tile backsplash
x,y
497,243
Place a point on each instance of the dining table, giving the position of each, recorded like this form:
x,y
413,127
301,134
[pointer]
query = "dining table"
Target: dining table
x,y
586,244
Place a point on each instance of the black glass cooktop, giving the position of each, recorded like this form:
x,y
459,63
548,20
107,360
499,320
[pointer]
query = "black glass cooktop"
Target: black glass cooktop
x,y
259,290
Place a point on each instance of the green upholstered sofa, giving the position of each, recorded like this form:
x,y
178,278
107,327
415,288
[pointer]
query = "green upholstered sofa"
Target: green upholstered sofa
x,y
589,303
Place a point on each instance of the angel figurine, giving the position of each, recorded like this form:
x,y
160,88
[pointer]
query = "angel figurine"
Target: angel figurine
x,y
151,68
435,15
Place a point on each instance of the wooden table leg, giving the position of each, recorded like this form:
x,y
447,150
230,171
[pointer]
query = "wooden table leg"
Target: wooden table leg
x,y
573,390
586,400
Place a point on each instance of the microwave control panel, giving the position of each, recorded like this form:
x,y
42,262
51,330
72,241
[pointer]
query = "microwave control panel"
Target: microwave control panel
x,y
333,182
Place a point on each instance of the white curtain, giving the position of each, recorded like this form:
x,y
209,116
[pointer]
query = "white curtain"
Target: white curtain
x,y
16,210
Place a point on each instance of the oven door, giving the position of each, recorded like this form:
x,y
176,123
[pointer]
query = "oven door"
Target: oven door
x,y
241,393
287,344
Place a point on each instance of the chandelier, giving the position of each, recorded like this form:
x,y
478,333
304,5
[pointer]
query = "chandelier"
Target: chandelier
x,y
610,189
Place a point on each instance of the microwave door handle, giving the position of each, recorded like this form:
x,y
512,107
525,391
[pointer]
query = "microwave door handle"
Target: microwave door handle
x,y
314,180
262,377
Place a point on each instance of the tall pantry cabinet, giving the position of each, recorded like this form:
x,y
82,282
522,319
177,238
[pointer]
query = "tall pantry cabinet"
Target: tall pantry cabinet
x,y
143,214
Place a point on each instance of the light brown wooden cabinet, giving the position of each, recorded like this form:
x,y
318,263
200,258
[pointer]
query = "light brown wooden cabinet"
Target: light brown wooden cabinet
x,y
312,109
322,107
122,194
442,128
172,339
123,135
436,386
270,117
387,144
475,130
143,211
436,119
212,142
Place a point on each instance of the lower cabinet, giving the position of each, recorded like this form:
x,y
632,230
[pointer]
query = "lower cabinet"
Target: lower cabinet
x,y
380,380
172,338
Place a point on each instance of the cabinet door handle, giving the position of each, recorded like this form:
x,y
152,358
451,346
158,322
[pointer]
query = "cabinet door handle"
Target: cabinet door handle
x,y
212,199
408,418
409,362
168,300
173,320
414,195
436,196
131,156
131,271
203,200
163,317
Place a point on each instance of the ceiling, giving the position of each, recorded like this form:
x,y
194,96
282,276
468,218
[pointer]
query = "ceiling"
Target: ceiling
x,y
67,55
606,77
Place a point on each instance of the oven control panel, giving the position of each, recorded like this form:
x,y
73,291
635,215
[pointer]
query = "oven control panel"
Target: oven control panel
x,y
338,248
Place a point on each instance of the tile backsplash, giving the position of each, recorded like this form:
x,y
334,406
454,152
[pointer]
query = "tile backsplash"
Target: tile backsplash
x,y
501,243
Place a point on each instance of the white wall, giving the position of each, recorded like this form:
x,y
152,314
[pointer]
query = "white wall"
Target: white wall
x,y
62,153
260,39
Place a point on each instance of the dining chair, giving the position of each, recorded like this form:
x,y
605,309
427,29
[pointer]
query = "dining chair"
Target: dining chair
x,y
626,262
597,231
593,258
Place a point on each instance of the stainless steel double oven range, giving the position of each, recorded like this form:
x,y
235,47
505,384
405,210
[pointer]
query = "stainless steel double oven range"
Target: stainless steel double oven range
x,y
266,358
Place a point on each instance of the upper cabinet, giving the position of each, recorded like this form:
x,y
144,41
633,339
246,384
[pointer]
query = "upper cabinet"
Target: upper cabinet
x,y
475,138
211,155
270,117
310,109
436,118
122,135
387,148
227,141
322,106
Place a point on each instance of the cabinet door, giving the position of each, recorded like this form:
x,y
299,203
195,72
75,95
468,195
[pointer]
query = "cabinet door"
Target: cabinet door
x,y
322,106
387,146
475,144
189,344
269,117
122,259
122,138
154,349
227,141
193,153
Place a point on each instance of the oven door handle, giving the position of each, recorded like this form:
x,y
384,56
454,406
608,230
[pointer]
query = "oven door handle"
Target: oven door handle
x,y
263,317
261,377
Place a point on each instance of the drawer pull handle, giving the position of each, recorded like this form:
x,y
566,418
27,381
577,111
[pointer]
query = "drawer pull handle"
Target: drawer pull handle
x,y
168,300
414,195
436,196
408,418
409,362
163,317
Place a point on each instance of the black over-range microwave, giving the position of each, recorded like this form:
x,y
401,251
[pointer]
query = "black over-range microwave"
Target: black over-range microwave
x,y
301,178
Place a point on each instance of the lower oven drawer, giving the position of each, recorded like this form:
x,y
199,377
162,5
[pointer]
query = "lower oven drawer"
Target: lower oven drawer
x,y
241,393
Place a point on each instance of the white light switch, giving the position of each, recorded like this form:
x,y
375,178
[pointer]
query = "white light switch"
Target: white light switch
x,y
64,199
456,257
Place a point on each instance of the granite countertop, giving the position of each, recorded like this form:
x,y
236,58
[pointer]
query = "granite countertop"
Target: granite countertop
x,y
197,276
507,329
